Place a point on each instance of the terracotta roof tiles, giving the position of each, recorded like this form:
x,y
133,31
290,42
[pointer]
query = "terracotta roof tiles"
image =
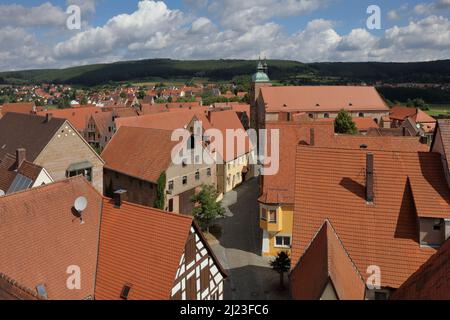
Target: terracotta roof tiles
x,y
140,246
383,234
322,98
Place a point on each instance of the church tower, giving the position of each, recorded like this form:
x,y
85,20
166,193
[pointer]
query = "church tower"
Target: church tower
x,y
259,79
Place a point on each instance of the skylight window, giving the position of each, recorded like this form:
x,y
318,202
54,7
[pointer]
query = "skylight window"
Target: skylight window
x,y
125,291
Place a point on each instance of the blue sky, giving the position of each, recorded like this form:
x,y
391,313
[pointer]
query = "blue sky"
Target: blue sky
x,y
304,30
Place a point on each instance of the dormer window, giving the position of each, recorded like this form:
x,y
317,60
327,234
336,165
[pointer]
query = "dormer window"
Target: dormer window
x,y
432,232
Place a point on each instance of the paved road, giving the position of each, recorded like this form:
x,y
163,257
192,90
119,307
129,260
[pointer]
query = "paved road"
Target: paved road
x,y
240,247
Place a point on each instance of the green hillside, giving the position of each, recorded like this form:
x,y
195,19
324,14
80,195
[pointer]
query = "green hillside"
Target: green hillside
x,y
286,72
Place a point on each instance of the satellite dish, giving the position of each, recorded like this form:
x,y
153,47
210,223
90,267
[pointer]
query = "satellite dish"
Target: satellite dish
x,y
80,204
2,193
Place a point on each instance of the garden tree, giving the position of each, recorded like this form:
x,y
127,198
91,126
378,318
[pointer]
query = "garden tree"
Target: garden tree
x,y
123,95
344,123
207,208
160,200
84,101
281,264
141,94
417,103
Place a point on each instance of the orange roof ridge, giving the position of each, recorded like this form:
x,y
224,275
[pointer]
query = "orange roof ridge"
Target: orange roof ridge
x,y
152,209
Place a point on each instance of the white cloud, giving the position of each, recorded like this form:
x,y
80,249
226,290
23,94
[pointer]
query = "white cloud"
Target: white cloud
x,y
45,15
155,30
393,15
238,14
435,7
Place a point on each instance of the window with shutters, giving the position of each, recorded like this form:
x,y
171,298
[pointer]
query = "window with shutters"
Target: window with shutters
x,y
191,249
205,278
191,288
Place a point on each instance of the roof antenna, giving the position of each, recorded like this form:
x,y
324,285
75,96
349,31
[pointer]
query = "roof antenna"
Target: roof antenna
x,y
80,205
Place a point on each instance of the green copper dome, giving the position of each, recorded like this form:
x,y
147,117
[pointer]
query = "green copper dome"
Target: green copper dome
x,y
260,77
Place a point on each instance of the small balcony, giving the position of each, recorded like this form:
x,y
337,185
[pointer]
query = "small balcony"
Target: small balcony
x,y
271,220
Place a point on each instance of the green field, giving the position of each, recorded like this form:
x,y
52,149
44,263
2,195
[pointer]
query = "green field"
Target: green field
x,y
439,109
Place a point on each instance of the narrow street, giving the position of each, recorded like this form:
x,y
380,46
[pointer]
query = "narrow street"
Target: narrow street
x,y
239,248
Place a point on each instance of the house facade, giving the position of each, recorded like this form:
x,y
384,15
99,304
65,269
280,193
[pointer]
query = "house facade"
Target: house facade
x,y
138,159
54,144
270,103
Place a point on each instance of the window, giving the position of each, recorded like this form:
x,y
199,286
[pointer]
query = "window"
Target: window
x,y
311,116
170,185
190,249
205,278
191,289
326,115
264,214
197,175
87,173
185,180
437,226
184,164
273,216
283,242
125,291
208,172
361,115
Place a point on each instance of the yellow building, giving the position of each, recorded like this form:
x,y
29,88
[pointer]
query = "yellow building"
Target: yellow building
x,y
276,222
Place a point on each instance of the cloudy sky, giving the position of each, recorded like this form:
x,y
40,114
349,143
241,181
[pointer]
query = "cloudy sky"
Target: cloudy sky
x,y
34,34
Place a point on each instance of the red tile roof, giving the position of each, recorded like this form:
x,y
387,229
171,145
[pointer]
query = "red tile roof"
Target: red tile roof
x,y
228,120
41,237
431,281
140,246
139,152
21,107
330,185
322,98
276,187
402,113
78,117
326,259
163,121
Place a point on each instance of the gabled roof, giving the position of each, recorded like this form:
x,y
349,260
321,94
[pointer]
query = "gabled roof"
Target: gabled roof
x,y
330,184
163,121
323,261
9,173
402,113
142,247
41,237
78,117
20,107
322,99
228,120
431,281
142,153
30,132
103,121
276,188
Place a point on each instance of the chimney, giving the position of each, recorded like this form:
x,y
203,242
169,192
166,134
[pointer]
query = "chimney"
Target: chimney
x,y
312,137
369,178
119,197
20,157
48,117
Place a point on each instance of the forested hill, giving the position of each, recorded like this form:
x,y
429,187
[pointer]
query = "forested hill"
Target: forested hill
x,y
286,72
